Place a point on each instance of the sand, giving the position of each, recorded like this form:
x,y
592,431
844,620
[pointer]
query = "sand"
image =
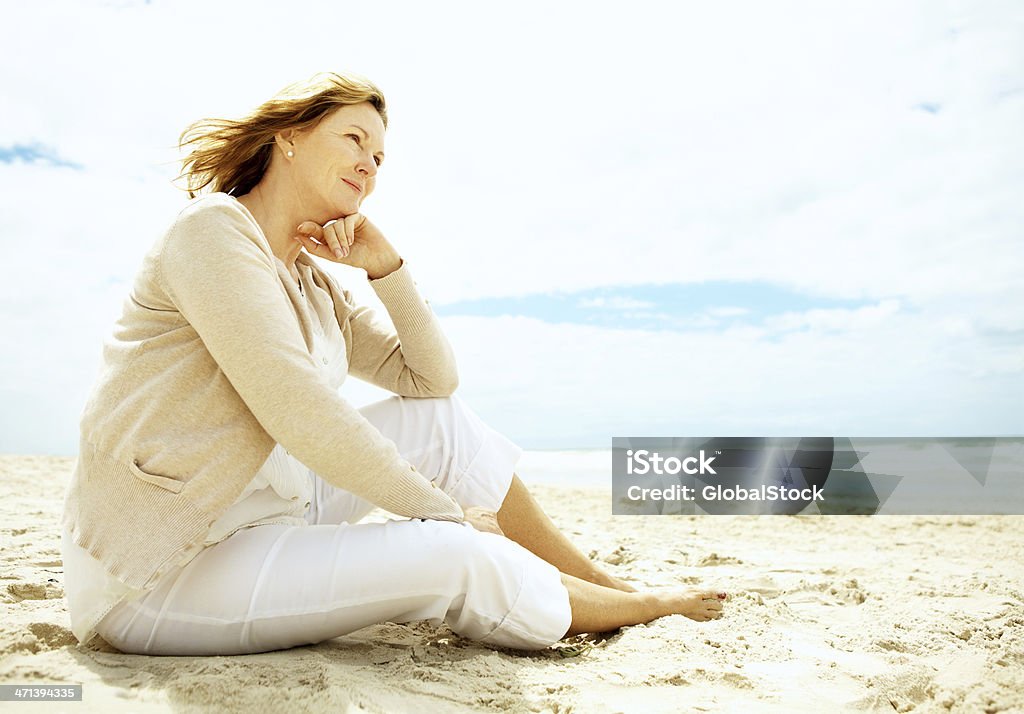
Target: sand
x,y
849,613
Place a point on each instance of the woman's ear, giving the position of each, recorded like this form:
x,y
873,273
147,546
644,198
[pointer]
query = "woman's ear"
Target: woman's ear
x,y
285,141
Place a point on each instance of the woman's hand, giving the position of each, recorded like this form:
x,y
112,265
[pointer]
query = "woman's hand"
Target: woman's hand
x,y
482,520
352,240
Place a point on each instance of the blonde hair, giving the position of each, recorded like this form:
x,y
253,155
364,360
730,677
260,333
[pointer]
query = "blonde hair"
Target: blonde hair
x,y
232,155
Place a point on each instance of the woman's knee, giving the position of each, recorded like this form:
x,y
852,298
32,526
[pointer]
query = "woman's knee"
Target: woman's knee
x,y
467,555
485,560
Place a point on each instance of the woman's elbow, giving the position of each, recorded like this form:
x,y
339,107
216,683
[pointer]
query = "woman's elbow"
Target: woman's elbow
x,y
448,386
420,386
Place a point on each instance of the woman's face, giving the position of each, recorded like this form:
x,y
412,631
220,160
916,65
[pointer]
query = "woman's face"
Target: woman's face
x,y
336,161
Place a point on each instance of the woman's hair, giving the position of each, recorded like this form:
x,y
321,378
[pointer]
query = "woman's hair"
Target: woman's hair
x,y
232,155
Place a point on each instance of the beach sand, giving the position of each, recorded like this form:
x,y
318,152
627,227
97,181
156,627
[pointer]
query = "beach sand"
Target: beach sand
x,y
847,613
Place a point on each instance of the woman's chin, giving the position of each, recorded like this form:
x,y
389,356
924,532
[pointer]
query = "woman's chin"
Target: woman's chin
x,y
336,210
347,206
345,212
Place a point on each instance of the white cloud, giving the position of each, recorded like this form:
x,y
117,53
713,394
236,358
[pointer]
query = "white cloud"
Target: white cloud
x,y
852,320
616,302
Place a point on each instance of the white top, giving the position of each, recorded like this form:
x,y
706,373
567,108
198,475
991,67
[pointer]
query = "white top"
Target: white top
x,y
279,493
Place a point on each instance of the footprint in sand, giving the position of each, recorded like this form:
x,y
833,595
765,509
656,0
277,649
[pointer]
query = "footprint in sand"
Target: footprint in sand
x,y
716,559
33,591
35,638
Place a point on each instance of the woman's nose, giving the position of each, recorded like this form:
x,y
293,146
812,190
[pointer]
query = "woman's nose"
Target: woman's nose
x,y
368,168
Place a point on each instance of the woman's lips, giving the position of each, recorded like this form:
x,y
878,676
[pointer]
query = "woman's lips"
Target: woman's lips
x,y
359,190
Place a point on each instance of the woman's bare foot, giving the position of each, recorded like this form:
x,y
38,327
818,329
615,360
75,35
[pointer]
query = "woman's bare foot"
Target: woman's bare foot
x,y
699,605
596,608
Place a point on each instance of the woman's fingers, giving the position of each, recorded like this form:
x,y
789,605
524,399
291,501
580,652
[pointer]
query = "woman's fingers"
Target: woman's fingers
x,y
350,227
326,237
308,243
492,521
334,234
308,233
482,520
311,229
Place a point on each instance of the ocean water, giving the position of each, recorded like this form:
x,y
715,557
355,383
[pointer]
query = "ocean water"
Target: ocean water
x,y
586,468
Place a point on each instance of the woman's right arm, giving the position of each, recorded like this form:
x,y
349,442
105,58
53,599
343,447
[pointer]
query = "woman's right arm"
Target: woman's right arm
x,y
216,269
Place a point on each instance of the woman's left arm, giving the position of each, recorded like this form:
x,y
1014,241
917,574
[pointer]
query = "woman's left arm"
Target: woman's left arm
x,y
414,359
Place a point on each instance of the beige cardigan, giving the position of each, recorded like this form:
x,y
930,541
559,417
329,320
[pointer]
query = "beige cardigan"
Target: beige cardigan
x,y
209,366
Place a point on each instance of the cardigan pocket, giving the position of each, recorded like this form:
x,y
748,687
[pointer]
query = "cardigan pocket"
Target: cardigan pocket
x,y
166,482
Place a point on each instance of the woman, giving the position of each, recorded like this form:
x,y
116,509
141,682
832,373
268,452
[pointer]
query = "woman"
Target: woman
x,y
216,502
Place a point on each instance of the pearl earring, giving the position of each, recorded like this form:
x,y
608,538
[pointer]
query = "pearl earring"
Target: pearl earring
x,y
290,153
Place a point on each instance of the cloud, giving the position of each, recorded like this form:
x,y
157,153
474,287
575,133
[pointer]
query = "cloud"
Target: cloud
x,y
834,319
615,303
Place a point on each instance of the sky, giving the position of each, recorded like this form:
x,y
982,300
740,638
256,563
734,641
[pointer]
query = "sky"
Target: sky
x,y
651,219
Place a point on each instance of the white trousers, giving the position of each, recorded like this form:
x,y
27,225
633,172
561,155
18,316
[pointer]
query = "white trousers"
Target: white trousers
x,y
272,587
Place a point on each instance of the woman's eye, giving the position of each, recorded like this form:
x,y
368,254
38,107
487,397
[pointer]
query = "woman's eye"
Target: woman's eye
x,y
359,141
